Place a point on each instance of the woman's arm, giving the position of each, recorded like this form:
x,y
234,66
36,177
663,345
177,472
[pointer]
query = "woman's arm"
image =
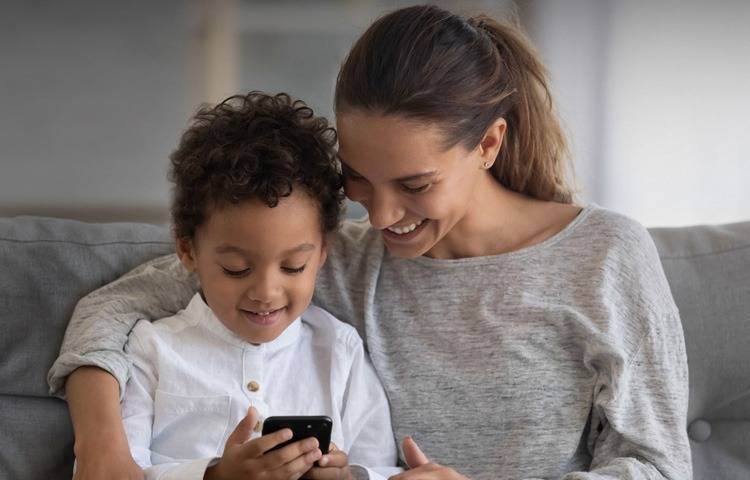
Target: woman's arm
x,y
95,337
102,320
101,447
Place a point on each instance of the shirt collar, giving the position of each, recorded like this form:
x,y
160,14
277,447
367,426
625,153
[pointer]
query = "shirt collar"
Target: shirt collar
x,y
198,309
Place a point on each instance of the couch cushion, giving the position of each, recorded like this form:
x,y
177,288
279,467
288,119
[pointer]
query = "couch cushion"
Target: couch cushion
x,y
708,268
46,265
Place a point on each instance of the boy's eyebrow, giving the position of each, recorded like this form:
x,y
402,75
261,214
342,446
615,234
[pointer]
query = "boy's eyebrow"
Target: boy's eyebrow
x,y
225,248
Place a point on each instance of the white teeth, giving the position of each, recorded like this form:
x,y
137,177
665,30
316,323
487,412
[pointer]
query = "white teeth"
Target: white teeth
x,y
407,229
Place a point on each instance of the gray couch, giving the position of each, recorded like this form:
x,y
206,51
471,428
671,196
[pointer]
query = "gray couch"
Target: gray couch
x,y
47,264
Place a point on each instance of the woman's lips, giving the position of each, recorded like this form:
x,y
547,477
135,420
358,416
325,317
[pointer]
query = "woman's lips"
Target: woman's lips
x,y
404,234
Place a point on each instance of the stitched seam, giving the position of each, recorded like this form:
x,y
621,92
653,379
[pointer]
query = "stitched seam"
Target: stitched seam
x,y
706,254
83,244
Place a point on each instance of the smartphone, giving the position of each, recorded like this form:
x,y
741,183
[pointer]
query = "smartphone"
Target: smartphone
x,y
302,427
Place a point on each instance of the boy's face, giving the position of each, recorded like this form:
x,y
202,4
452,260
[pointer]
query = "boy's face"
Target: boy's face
x,y
256,264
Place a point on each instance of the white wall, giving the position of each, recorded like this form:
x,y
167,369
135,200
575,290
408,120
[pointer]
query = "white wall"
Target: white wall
x,y
95,94
657,98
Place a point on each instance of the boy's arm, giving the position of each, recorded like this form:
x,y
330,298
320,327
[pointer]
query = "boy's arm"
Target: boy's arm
x,y
102,320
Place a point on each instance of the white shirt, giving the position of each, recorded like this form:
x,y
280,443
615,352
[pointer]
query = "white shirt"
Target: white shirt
x,y
193,380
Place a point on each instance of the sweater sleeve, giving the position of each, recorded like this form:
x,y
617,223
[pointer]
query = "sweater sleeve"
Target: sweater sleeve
x,y
102,320
638,423
639,410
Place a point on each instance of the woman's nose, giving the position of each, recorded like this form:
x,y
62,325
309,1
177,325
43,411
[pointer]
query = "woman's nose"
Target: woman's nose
x,y
383,209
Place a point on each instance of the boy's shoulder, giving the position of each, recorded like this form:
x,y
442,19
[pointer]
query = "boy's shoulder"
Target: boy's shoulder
x,y
168,326
324,328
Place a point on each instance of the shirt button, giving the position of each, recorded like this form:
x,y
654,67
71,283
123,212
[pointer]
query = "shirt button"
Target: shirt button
x,y
253,386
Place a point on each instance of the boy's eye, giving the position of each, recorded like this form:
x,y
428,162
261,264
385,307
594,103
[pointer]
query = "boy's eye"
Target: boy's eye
x,y
415,190
235,273
294,270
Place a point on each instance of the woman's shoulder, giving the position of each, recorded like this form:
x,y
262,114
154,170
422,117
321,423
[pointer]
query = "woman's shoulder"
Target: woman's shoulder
x,y
355,241
597,225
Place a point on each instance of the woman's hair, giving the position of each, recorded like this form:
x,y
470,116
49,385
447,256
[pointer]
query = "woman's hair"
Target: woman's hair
x,y
254,146
431,65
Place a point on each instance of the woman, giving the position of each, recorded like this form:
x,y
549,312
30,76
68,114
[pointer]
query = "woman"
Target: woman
x,y
517,334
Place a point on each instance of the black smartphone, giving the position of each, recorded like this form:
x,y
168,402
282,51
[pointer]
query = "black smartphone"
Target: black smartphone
x,y
302,427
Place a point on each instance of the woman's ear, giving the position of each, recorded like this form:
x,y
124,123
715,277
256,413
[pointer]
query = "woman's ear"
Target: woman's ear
x,y
186,253
490,145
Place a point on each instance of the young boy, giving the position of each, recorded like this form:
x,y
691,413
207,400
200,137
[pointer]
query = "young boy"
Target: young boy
x,y
257,196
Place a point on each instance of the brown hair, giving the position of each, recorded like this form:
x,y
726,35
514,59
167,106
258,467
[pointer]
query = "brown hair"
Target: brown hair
x,y
429,64
254,146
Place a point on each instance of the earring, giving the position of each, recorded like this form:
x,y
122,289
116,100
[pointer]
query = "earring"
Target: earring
x,y
487,164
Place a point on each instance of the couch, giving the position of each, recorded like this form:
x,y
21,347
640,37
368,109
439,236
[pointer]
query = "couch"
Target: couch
x,y
47,264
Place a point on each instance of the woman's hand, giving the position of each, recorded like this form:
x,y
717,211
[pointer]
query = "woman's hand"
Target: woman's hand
x,y
244,458
332,466
421,468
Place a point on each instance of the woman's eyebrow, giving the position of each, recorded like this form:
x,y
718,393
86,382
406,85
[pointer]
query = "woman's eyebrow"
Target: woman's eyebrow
x,y
408,178
418,176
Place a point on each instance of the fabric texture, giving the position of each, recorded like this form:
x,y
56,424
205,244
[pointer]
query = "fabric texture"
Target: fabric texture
x,y
570,352
190,387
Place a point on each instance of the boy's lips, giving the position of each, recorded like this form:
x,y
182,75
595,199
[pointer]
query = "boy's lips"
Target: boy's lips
x,y
263,317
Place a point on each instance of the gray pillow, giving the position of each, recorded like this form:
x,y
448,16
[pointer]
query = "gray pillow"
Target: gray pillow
x,y
46,265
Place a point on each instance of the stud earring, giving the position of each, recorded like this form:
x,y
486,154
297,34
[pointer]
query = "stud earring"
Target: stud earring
x,y
486,164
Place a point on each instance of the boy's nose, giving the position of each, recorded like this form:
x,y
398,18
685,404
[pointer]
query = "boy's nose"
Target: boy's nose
x,y
263,290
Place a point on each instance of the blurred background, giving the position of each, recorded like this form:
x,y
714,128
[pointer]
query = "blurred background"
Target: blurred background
x,y
94,94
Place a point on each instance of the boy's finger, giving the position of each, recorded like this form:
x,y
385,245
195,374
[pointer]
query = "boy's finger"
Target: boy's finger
x,y
244,429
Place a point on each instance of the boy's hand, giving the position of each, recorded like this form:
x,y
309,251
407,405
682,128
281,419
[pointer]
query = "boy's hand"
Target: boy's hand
x,y
333,466
245,459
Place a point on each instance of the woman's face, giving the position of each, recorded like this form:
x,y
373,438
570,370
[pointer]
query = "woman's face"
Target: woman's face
x,y
421,197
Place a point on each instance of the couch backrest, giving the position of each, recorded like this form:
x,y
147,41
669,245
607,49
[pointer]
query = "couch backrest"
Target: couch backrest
x,y
708,268
46,265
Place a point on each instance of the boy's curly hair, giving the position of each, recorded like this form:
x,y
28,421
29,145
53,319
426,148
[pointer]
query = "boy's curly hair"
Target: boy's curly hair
x,y
254,146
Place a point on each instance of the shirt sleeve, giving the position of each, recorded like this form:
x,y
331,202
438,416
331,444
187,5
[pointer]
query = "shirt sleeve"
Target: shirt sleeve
x,y
366,421
99,328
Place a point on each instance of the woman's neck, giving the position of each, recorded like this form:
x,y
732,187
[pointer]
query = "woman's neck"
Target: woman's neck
x,y
503,221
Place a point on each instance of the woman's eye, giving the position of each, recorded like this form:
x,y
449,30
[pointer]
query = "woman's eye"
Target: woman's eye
x,y
236,273
353,176
294,270
415,190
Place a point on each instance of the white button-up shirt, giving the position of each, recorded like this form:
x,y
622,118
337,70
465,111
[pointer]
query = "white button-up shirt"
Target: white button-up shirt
x,y
193,380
